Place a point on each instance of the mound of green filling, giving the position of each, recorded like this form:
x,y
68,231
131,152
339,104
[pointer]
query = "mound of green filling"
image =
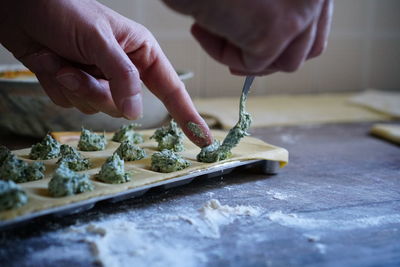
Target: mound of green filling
x,y
66,182
215,151
113,171
11,195
127,133
20,171
168,161
169,137
74,160
90,141
130,152
49,148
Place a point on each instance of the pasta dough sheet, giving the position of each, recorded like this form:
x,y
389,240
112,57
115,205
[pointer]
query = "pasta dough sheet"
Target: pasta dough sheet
x,y
39,199
289,110
381,101
390,132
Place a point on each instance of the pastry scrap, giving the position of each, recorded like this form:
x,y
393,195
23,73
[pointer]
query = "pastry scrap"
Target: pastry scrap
x,y
17,170
130,152
390,132
74,160
169,137
215,151
113,171
90,141
66,182
49,148
127,133
11,196
168,161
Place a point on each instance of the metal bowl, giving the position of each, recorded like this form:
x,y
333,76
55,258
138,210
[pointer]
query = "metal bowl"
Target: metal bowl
x,y
25,109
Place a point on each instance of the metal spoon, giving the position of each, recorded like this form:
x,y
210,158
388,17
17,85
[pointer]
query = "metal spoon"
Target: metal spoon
x,y
245,91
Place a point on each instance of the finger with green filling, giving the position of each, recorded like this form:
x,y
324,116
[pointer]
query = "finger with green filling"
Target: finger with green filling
x,y
168,161
19,171
128,133
169,137
73,159
195,129
48,148
11,196
130,152
215,151
66,182
113,171
90,141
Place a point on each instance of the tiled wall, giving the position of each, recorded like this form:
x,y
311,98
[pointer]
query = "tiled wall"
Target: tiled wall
x,y
363,52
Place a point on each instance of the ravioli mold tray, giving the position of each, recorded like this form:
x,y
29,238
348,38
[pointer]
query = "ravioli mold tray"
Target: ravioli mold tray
x,y
251,154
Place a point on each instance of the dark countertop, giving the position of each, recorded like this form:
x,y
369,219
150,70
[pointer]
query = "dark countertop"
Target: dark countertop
x,y
337,203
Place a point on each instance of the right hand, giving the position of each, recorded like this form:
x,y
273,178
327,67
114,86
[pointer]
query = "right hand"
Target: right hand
x,y
259,37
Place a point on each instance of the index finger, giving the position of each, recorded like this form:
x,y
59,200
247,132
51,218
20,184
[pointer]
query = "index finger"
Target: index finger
x,y
160,77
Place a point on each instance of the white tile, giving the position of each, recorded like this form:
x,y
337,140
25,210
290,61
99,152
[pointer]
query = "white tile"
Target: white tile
x,y
385,64
387,16
162,21
341,67
350,16
126,8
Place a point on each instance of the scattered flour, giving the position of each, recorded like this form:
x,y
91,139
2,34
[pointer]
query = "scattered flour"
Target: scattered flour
x,y
278,195
289,139
53,254
293,220
137,241
321,248
210,194
213,215
120,243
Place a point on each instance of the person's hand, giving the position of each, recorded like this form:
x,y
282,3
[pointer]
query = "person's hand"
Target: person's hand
x,y
86,55
259,37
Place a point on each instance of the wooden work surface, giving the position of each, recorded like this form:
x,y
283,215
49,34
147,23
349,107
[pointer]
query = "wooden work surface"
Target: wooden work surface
x,y
337,203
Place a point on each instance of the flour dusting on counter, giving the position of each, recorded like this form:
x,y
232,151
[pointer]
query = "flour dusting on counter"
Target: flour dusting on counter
x,y
132,240
213,215
121,243
293,220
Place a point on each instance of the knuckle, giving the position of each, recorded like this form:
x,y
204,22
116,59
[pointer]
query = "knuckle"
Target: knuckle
x,y
128,71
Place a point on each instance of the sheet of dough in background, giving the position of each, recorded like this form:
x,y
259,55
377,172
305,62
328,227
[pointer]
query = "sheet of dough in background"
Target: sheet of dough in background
x,y
382,101
289,110
389,132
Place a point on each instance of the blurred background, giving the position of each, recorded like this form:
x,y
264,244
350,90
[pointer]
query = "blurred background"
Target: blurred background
x,y
363,51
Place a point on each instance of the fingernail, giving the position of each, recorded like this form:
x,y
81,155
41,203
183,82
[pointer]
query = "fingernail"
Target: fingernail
x,y
48,63
132,107
69,81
